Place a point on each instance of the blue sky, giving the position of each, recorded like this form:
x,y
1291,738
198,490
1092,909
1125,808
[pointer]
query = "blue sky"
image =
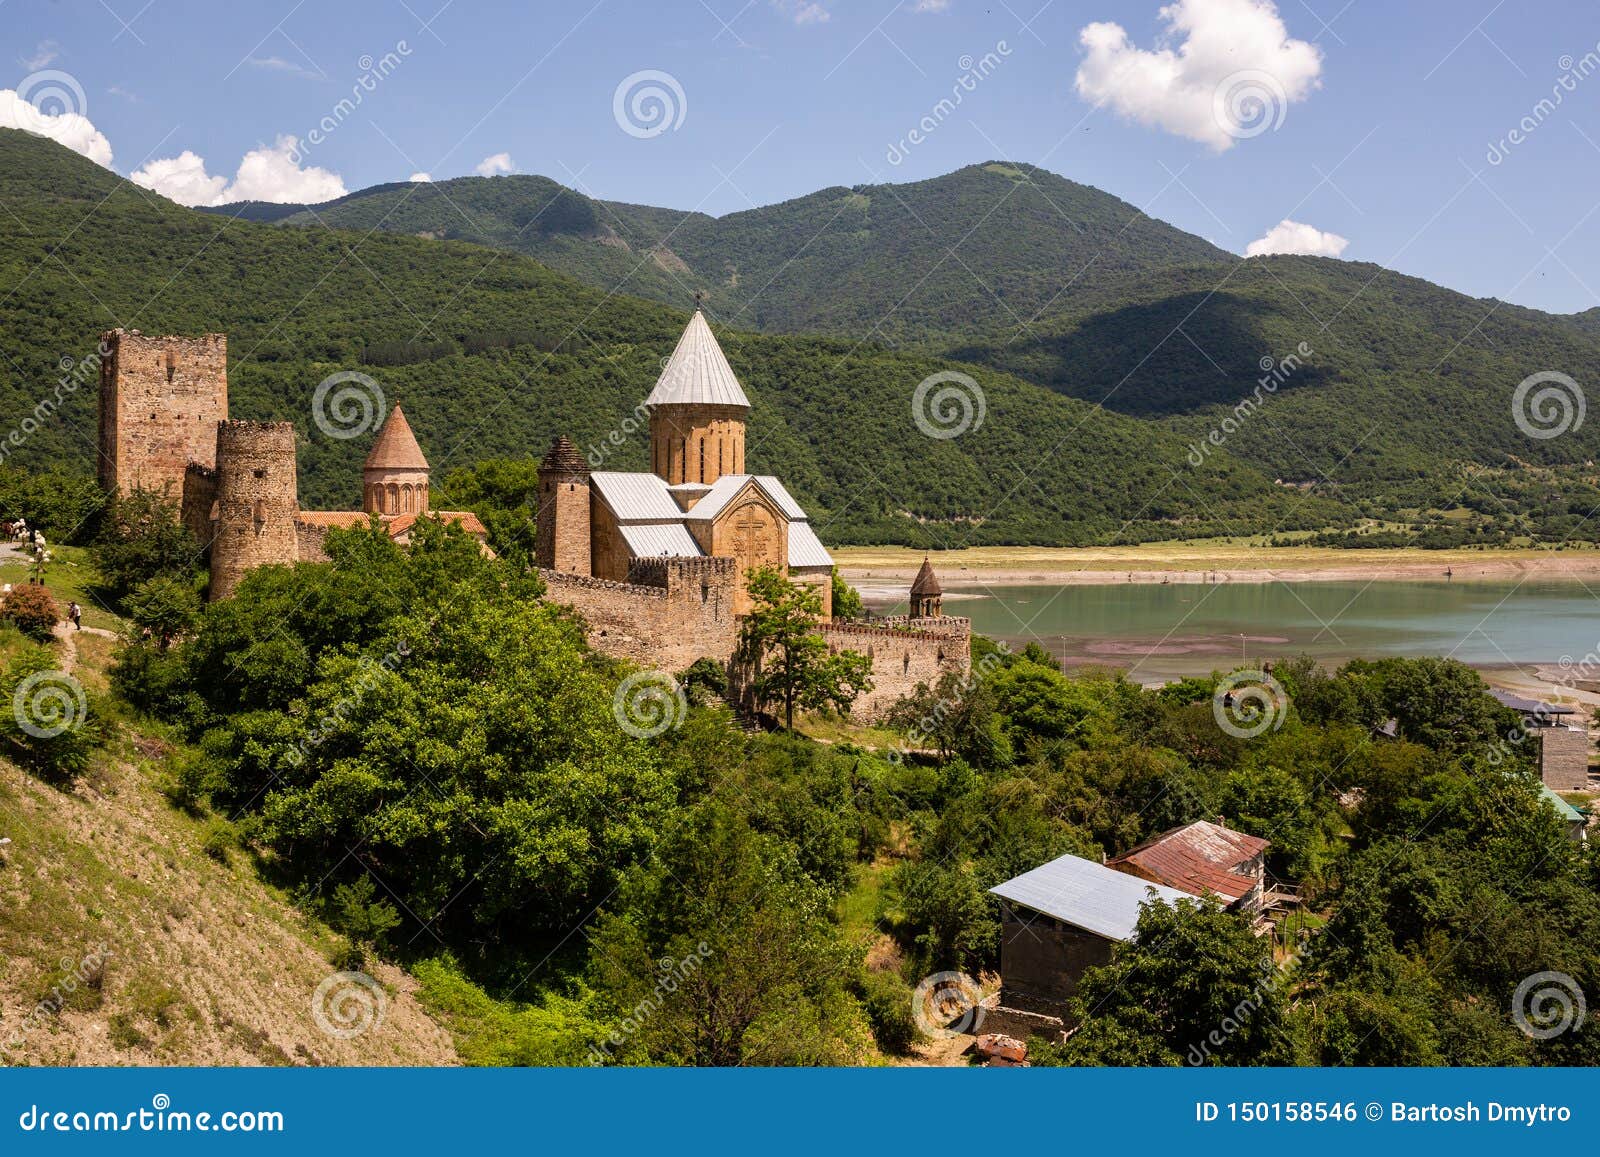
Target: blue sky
x,y
1379,126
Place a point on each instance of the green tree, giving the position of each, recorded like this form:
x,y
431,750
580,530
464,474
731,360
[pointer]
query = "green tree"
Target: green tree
x,y
846,599
790,659
141,538
165,607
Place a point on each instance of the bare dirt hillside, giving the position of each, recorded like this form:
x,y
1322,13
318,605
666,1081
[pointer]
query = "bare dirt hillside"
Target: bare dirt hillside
x,y
123,942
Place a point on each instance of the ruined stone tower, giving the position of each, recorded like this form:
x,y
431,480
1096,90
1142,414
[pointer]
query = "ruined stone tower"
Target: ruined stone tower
x,y
395,477
256,500
697,412
927,596
562,537
160,401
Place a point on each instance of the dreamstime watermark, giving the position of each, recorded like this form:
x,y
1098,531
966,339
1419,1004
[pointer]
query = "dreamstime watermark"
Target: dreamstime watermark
x,y
671,974
369,673
347,404
373,73
1573,73
649,703
1547,1004
74,374
89,970
348,1004
1249,703
946,1004
1273,979
49,703
1248,103
973,73
43,98
1274,373
1548,404
648,103
948,404
160,1117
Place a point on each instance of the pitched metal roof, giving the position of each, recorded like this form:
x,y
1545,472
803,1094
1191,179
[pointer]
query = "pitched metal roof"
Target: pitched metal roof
x,y
671,540
722,492
697,373
1563,809
1086,895
1530,706
636,497
1198,858
775,491
396,446
805,548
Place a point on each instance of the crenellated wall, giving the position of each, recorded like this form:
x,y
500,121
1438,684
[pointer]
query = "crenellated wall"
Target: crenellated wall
x,y
904,652
674,611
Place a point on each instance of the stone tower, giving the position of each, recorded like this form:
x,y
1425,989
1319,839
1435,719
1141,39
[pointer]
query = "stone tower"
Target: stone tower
x,y
395,477
160,401
697,412
256,501
927,596
562,535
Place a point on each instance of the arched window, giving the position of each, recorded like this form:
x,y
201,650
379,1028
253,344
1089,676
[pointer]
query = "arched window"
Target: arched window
x,y
394,499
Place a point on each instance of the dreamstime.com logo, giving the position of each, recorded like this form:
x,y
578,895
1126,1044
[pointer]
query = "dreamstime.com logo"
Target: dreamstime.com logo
x,y
348,1005
1248,103
1249,703
1547,1004
948,404
946,1004
43,98
347,405
649,103
648,703
1547,404
49,703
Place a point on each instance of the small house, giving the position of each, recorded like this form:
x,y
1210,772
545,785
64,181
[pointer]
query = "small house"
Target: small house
x,y
1563,743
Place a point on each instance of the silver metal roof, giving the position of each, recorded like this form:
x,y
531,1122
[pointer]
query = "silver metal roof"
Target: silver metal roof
x,y
636,497
805,548
1086,895
671,540
722,492
697,373
775,491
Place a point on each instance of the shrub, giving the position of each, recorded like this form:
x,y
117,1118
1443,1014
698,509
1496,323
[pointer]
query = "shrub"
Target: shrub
x,y
888,1001
32,609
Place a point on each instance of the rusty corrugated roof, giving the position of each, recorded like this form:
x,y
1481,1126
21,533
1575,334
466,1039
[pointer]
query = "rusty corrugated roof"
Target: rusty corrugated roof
x,y
1202,857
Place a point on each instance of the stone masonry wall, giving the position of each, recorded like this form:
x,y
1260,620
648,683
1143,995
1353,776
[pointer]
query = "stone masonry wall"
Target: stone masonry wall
x,y
199,495
1563,757
256,501
904,652
160,401
674,612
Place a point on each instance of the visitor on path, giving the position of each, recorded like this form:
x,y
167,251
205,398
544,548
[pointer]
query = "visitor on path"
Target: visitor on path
x,y
75,613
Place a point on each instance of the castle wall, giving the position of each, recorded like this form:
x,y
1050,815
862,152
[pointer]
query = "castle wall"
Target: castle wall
x,y
904,652
609,550
160,401
675,610
199,496
256,501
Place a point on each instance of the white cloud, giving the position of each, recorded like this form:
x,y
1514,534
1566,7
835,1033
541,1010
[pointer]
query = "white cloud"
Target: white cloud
x,y
1223,70
804,11
279,64
1294,237
71,129
495,165
931,6
424,177
182,178
274,173
43,56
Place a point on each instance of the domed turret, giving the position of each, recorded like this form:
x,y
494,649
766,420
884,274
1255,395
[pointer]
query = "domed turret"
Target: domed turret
x,y
927,596
395,477
697,412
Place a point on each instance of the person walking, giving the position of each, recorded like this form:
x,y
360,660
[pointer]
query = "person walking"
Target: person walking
x,y
75,613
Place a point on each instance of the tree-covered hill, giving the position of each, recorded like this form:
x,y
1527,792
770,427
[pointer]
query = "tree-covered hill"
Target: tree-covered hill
x,y
492,354
873,260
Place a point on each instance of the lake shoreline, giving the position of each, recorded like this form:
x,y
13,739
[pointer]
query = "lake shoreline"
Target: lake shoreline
x,y
878,569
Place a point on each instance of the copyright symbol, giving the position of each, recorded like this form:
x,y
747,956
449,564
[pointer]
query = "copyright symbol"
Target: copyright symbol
x,y
1374,1111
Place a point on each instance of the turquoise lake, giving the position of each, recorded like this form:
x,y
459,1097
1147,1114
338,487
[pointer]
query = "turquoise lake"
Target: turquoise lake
x,y
1160,632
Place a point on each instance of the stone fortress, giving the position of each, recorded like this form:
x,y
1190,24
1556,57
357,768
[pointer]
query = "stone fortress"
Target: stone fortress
x,y
655,562
164,428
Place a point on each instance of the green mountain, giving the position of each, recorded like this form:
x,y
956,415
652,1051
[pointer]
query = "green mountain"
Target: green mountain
x,y
492,354
986,245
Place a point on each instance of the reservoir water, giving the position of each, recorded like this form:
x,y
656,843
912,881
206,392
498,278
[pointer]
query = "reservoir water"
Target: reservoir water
x,y
1158,632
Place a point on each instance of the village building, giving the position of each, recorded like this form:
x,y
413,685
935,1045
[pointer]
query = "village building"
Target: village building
x,y
1056,922
1563,746
1203,859
164,428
